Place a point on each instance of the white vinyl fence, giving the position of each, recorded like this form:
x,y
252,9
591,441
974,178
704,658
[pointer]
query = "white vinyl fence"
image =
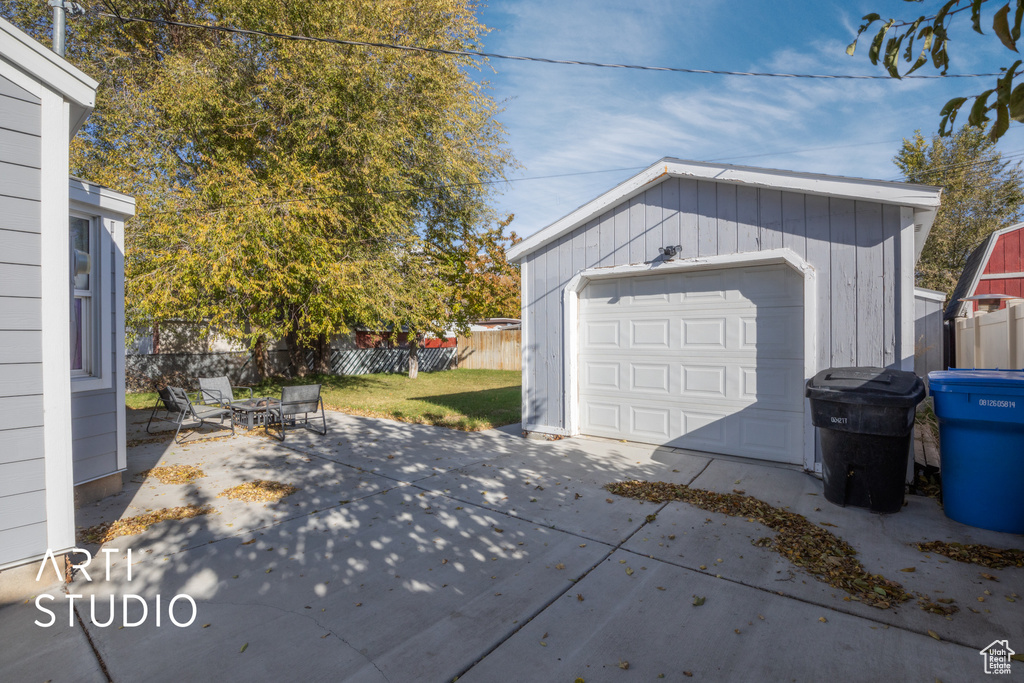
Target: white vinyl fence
x,y
992,340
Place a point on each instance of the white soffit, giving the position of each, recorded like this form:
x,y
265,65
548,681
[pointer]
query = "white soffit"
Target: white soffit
x,y
91,194
924,199
27,55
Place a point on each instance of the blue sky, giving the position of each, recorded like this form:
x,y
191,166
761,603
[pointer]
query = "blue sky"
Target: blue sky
x,y
578,120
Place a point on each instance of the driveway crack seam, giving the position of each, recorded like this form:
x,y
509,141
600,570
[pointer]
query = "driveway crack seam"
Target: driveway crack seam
x,y
822,605
557,597
92,646
702,470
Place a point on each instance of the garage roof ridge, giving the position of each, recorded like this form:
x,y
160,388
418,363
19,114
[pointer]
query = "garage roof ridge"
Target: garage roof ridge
x,y
924,199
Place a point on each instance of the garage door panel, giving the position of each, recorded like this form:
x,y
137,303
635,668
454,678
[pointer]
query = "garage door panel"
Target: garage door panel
x,y
649,334
704,381
600,419
601,334
770,436
770,286
647,422
705,334
650,291
649,378
701,288
601,375
777,383
773,333
704,429
709,361
600,292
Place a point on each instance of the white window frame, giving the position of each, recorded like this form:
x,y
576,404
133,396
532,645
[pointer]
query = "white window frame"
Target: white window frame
x,y
88,296
99,373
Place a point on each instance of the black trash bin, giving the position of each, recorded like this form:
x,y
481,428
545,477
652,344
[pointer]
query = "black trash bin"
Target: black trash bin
x,y
865,418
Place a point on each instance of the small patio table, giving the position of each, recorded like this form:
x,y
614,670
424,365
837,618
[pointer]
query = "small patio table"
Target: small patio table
x,y
250,413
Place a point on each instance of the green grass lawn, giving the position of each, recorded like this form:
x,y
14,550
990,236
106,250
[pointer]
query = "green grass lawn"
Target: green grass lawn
x,y
469,400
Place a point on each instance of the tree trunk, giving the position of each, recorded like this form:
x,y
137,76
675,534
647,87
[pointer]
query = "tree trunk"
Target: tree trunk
x,y
259,358
414,354
322,356
296,356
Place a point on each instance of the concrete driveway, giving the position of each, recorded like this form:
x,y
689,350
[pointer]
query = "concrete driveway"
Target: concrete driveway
x,y
414,553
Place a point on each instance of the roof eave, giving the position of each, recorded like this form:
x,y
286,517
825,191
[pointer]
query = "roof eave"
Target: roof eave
x,y
924,199
35,61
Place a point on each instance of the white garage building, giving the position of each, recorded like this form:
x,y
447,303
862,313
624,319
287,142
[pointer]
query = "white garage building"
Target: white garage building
x,y
775,276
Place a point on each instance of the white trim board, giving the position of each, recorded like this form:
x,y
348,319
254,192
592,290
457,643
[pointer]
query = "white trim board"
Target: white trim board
x,y
570,299
56,311
25,54
1000,276
929,294
923,199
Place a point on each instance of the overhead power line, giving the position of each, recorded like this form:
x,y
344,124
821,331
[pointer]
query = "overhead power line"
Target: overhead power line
x,y
520,58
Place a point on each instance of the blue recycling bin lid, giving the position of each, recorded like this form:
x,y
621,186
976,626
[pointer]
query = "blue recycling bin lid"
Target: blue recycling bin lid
x,y
992,396
1000,381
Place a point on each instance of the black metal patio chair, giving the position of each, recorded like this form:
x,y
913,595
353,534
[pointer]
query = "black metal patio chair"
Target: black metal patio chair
x,y
297,405
218,391
174,405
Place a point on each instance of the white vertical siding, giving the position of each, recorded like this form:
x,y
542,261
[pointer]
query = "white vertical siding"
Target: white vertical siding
x,y
853,247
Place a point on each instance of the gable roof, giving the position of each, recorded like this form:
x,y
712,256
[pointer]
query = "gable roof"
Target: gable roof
x,y
25,54
924,199
973,269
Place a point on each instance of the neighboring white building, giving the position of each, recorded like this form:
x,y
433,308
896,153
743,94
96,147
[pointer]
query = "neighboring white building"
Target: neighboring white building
x,y
62,420
775,275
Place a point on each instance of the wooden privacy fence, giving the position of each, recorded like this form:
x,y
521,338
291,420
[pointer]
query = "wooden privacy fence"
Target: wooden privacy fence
x,y
490,350
992,340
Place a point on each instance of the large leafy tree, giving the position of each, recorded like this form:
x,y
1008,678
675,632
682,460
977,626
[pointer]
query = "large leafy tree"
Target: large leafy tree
x,y
916,42
289,189
980,193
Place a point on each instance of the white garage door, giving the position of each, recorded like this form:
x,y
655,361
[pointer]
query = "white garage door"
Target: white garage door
x,y
708,360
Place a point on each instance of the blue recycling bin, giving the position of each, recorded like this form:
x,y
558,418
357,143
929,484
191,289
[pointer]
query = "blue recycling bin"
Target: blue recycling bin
x,y
981,439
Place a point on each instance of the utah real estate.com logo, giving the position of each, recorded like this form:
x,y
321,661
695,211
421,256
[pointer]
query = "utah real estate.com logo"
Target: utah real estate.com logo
x,y
997,657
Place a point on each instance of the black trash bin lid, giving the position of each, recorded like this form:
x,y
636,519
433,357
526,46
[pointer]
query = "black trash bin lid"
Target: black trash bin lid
x,y
867,385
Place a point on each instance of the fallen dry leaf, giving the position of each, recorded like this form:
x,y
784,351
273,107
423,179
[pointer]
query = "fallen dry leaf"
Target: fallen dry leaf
x,y
130,526
174,474
807,545
984,555
259,491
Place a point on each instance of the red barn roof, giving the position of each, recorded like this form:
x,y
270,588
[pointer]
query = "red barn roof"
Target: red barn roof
x,y
995,267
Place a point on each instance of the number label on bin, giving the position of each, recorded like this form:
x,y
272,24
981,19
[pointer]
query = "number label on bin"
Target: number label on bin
x,y
996,403
840,420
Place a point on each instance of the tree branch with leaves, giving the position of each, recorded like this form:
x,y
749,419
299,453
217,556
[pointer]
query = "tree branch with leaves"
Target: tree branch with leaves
x,y
927,38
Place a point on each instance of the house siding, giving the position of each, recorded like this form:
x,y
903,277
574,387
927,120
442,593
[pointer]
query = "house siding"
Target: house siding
x,y
854,247
22,466
94,413
94,434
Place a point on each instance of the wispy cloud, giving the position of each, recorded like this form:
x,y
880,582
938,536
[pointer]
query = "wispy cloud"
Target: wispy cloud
x,y
563,119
